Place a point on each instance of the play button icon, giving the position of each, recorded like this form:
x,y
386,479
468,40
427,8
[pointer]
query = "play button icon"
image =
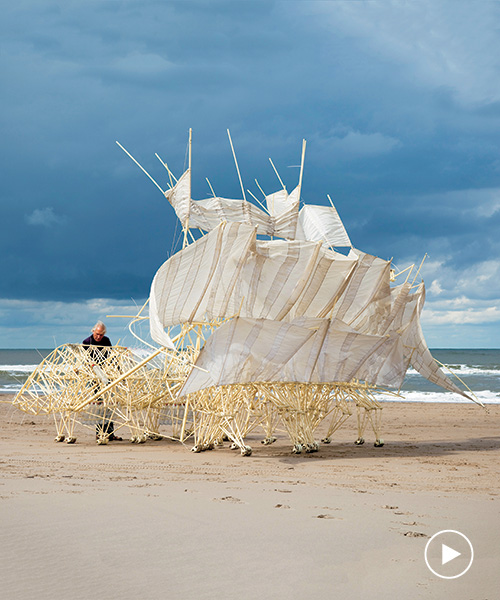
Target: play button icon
x,y
449,554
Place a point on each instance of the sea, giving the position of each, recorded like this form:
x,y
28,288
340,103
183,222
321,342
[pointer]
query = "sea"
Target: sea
x,y
478,369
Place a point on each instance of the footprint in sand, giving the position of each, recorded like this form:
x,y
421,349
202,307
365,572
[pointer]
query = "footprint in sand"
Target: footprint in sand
x,y
229,499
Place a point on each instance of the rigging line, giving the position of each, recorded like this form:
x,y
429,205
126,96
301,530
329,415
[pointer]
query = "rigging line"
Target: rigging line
x,y
175,238
474,397
136,335
140,167
403,271
409,272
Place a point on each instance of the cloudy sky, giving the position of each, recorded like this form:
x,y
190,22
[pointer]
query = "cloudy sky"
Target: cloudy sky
x,y
399,103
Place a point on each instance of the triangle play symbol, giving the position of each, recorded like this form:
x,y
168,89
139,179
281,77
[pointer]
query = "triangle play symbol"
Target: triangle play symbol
x,y
448,554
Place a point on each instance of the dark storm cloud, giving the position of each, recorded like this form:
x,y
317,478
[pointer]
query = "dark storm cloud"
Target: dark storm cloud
x,y
399,104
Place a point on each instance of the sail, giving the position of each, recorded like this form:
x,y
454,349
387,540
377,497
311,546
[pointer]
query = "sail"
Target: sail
x,y
200,277
209,213
283,209
180,197
322,223
370,280
228,272
417,352
314,351
245,351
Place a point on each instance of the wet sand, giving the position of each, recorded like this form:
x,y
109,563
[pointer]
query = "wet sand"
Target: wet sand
x,y
125,520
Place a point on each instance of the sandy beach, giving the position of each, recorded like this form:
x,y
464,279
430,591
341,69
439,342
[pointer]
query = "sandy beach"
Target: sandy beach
x,y
124,521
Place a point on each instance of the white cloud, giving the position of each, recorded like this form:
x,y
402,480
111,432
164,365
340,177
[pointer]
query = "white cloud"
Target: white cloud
x,y
47,324
44,217
444,44
436,288
476,316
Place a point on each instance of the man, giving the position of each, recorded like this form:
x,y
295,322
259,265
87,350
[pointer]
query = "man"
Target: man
x,y
98,337
100,341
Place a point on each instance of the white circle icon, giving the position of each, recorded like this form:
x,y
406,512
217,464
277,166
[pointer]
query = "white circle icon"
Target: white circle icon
x,y
449,554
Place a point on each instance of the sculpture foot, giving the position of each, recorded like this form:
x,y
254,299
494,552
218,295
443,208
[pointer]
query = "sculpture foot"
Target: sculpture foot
x,y
268,441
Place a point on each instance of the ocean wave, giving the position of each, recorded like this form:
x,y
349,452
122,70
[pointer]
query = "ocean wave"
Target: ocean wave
x,y
462,370
10,388
17,369
485,396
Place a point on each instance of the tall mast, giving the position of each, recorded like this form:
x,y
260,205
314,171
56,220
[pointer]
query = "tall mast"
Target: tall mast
x,y
186,226
302,165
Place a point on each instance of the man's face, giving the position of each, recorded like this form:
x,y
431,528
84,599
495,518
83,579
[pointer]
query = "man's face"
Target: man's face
x,y
98,333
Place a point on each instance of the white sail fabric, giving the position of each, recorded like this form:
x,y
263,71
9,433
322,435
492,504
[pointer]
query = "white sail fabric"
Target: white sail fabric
x,y
385,313
260,350
284,211
370,280
322,223
209,213
284,280
158,333
245,350
180,197
417,352
277,203
228,272
199,278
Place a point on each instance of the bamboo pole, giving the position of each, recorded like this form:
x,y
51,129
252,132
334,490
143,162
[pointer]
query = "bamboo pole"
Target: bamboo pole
x,y
256,199
170,174
211,188
418,271
302,160
258,185
118,380
140,167
277,174
186,225
236,163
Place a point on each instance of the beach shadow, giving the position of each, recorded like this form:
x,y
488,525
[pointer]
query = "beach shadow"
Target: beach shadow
x,y
396,449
